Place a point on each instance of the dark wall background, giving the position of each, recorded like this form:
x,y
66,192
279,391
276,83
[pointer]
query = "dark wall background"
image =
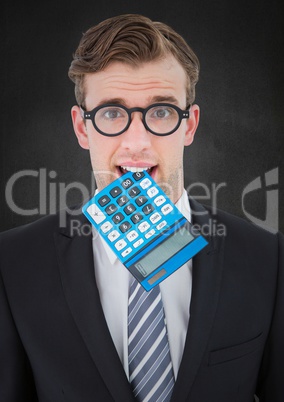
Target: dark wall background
x,y
240,137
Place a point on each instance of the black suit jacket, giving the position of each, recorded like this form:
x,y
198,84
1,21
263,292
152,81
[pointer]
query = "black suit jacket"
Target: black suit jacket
x,y
54,341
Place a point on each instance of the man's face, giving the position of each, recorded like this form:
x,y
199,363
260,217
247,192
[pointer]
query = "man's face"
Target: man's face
x,y
160,81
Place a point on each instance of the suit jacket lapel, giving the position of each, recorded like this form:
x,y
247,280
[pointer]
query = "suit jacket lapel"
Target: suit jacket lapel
x,y
206,281
75,256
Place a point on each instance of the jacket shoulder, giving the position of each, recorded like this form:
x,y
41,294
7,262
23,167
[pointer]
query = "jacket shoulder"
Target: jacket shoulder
x,y
236,229
243,232
40,227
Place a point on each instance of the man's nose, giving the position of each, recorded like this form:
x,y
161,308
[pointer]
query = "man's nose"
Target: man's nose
x,y
136,137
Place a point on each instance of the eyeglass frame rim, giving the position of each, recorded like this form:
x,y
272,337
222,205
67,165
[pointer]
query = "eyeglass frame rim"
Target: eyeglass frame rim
x,y
90,115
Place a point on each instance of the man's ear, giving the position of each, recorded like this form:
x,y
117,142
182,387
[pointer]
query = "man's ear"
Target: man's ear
x,y
79,127
192,124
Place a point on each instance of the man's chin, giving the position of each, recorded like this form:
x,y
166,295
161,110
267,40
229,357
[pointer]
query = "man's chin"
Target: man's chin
x,y
104,178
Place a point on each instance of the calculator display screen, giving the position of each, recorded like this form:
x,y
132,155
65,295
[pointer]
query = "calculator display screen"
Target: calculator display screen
x,y
164,251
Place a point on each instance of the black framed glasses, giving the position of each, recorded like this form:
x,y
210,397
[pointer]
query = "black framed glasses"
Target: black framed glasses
x,y
113,119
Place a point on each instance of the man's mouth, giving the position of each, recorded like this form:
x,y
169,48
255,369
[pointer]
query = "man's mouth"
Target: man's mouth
x,y
135,169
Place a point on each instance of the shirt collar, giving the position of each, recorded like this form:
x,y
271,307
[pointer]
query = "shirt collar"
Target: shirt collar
x,y
182,205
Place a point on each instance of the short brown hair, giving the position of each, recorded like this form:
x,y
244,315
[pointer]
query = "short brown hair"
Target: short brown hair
x,y
132,39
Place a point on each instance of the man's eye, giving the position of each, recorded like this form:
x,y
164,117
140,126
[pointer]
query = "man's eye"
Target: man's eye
x,y
112,114
161,113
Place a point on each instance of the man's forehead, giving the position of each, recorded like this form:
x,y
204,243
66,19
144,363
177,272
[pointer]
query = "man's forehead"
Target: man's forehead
x,y
164,78
163,69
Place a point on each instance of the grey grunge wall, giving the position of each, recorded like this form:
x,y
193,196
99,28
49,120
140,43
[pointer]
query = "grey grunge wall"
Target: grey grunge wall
x,y
236,160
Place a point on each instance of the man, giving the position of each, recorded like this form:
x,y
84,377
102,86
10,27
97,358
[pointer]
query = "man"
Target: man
x,y
64,296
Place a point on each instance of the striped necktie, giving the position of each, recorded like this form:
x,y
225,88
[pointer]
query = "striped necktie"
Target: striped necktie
x,y
150,366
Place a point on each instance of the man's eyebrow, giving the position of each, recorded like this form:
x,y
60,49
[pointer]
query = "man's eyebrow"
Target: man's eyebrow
x,y
166,99
112,101
153,99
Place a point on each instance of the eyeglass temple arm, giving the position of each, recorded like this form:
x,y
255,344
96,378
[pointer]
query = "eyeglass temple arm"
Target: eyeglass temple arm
x,y
82,112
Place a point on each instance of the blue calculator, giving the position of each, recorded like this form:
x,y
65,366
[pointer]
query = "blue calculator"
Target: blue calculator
x,y
143,227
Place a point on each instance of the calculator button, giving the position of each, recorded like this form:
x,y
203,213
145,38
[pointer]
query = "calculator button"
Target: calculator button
x,y
106,227
132,235
138,175
120,244
103,200
138,243
155,217
150,234
136,218
96,213
159,200
134,191
161,225
141,200
113,235
126,183
118,217
124,227
166,209
115,192
148,209
126,252
143,227
129,209
152,192
145,183
111,209
122,200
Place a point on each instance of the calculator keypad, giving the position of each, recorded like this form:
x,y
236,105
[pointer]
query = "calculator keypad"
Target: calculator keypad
x,y
134,192
105,227
141,200
111,209
136,218
103,200
122,200
126,183
113,235
115,192
118,217
143,227
124,227
129,209
132,235
148,209
131,213
159,200
145,183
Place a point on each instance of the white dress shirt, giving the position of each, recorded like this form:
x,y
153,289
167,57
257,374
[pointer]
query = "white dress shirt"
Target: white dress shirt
x,y
113,283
